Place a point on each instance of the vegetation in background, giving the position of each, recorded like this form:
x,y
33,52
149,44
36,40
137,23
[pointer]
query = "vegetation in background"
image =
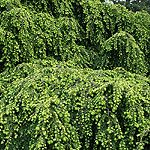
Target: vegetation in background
x,y
134,5
73,75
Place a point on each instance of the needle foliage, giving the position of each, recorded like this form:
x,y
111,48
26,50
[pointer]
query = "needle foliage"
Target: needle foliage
x,y
74,75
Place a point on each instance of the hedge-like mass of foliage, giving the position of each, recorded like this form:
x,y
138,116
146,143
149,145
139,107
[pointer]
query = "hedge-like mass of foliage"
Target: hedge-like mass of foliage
x,y
76,30
50,105
73,75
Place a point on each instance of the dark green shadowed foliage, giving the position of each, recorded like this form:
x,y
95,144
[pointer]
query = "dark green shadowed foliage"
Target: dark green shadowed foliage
x,y
74,75
121,50
102,22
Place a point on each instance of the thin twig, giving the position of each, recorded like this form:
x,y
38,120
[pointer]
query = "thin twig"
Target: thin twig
x,y
147,130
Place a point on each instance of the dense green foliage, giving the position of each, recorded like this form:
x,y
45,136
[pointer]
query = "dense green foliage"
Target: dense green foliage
x,y
50,105
74,75
134,5
67,33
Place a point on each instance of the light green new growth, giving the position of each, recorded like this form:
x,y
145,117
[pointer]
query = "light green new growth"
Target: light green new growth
x,y
74,75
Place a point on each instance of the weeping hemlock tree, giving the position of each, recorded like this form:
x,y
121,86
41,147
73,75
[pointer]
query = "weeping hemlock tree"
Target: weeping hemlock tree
x,y
74,75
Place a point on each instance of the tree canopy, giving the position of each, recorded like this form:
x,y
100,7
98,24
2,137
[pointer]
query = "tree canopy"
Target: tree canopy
x,y
74,75
134,5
